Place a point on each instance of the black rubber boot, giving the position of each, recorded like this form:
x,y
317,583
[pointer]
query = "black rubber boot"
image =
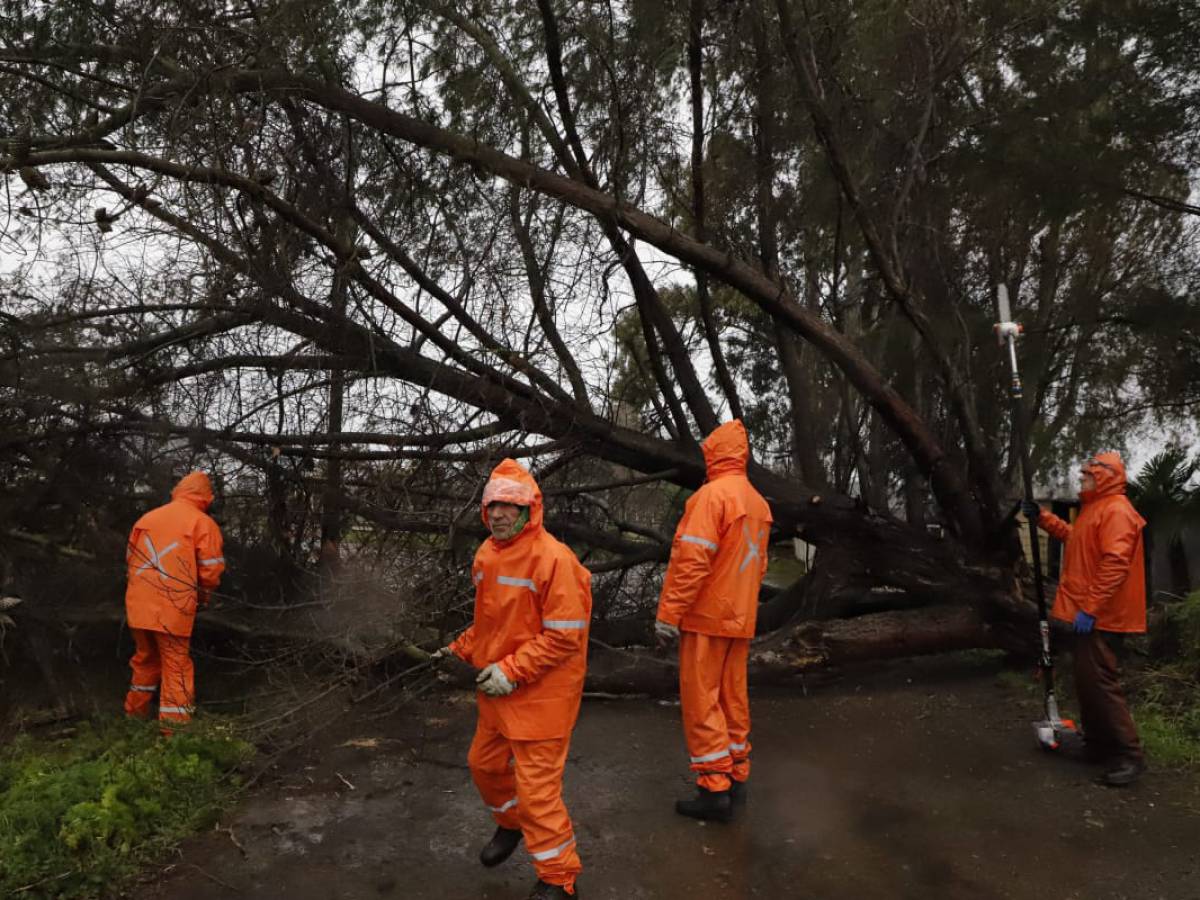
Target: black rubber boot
x,y
500,847
543,891
737,792
713,806
1123,774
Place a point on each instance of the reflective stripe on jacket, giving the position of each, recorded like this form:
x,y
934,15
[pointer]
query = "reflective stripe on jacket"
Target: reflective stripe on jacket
x,y
174,559
719,554
533,608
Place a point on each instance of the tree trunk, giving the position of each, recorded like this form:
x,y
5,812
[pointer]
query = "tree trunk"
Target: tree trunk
x,y
331,510
806,455
805,648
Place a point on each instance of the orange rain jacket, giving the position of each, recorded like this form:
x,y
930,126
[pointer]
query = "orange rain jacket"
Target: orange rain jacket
x,y
1103,566
533,608
719,553
174,560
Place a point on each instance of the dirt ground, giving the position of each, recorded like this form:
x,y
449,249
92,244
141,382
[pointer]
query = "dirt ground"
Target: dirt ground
x,y
917,780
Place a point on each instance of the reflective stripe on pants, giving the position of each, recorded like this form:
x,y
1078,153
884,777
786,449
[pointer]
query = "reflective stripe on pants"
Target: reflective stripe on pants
x,y
716,707
161,660
534,781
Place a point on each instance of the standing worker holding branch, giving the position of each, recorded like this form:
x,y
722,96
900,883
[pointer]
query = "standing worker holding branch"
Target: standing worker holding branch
x,y
533,605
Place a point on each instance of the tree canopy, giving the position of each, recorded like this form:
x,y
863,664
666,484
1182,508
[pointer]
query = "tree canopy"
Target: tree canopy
x,y
368,248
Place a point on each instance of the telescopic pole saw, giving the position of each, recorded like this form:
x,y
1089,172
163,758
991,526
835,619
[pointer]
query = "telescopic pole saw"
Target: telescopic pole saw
x,y
1048,731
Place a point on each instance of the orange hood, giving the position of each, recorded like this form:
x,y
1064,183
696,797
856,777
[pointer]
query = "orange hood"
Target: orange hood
x,y
510,482
726,450
194,488
1109,476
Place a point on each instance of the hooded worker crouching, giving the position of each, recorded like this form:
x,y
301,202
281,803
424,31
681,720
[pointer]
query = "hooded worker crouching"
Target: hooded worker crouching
x,y
174,563
533,606
709,602
1102,594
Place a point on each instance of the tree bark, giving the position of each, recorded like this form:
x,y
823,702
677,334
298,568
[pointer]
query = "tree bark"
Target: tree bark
x,y
806,648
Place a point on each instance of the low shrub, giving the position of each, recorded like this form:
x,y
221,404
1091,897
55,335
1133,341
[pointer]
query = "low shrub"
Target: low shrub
x,y
81,814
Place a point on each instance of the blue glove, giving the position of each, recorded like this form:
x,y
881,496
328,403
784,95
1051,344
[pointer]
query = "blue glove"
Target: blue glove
x,y
1031,510
1084,623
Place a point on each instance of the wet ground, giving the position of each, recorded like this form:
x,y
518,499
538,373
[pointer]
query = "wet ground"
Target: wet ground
x,y
910,781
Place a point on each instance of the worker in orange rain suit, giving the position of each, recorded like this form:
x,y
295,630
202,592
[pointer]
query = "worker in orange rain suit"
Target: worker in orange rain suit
x,y
1102,594
710,594
174,562
533,606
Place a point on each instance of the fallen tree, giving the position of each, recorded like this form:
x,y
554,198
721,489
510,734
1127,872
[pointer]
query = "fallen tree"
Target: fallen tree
x,y
362,296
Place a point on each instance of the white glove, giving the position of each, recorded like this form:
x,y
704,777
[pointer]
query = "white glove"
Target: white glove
x,y
440,654
493,682
665,633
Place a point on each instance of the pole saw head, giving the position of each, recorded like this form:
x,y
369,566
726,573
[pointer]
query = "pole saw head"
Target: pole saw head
x,y
1006,328
1007,332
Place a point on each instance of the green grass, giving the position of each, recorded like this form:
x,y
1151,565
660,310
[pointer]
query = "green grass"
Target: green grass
x,y
81,815
1171,738
1166,707
1166,701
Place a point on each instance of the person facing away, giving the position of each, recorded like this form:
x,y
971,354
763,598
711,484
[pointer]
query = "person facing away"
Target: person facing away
x,y
709,603
529,637
174,563
1102,594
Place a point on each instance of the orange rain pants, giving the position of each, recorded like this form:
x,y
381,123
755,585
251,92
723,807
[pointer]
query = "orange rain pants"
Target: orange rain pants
x,y
521,783
710,592
161,663
716,707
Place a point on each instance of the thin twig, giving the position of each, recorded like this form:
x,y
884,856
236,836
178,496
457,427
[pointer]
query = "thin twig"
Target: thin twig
x,y
341,682
412,670
213,877
30,887
640,656
279,607
233,837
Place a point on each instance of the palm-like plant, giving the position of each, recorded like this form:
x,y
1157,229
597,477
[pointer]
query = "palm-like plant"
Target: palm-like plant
x,y
1164,495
